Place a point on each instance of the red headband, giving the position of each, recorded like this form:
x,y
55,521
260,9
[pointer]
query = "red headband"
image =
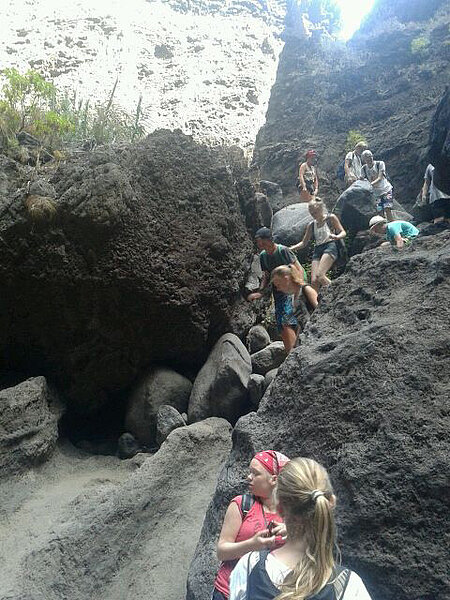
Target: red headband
x,y
272,460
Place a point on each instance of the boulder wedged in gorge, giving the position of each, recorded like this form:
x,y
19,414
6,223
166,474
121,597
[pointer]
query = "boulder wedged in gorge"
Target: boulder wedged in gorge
x,y
143,262
367,394
117,540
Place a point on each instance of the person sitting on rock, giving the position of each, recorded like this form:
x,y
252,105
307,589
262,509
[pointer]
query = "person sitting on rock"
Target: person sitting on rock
x,y
353,164
375,173
326,230
273,255
308,181
398,233
305,566
251,521
439,201
288,281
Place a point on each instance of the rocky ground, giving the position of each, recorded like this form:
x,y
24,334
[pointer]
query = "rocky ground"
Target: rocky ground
x,y
213,86
83,526
367,394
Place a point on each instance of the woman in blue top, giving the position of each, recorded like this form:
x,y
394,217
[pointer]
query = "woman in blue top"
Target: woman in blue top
x,y
397,232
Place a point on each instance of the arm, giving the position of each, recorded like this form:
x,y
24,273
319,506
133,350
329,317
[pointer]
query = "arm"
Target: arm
x,y
316,184
258,294
305,239
347,165
228,548
381,173
337,226
399,242
301,172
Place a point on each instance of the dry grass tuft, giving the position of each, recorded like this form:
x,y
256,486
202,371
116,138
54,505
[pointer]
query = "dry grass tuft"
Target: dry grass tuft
x,y
41,209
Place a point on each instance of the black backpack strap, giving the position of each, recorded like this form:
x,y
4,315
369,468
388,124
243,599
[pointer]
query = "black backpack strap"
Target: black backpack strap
x,y
246,503
340,582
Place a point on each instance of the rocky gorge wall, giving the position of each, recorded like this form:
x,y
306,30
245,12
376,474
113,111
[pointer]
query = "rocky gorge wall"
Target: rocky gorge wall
x,y
385,83
204,67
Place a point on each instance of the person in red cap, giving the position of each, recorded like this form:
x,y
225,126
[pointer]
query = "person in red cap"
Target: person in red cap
x,y
308,182
251,521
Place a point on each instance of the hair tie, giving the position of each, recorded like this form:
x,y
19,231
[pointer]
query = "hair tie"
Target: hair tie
x,y
316,494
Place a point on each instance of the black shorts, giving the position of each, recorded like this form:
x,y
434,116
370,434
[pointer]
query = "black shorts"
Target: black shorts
x,y
440,208
218,595
327,248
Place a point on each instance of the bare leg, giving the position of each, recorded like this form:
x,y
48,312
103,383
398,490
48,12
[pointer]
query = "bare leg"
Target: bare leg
x,y
314,269
388,214
326,262
289,337
311,295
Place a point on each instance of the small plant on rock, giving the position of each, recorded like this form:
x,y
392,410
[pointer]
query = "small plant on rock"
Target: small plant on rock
x,y
353,137
419,45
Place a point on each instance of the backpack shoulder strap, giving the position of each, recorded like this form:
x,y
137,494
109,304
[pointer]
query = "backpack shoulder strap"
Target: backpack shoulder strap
x,y
340,583
246,503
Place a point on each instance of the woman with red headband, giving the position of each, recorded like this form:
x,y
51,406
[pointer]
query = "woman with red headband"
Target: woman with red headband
x,y
308,182
251,521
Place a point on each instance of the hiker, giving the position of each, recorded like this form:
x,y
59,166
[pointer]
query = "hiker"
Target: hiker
x,y
305,566
273,255
353,164
247,520
398,233
308,182
288,281
375,172
327,231
439,201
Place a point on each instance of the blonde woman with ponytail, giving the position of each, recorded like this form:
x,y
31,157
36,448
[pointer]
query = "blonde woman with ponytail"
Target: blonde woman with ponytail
x,y
304,568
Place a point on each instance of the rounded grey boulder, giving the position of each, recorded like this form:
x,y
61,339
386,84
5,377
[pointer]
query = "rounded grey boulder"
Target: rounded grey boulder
x,y
269,358
159,386
220,389
167,419
289,223
256,389
257,339
269,377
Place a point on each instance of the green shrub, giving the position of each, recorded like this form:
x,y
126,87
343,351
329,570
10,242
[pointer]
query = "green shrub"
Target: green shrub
x,y
31,104
353,137
419,45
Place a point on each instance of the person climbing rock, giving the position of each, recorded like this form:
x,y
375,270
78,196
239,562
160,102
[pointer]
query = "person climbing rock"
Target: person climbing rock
x,y
305,566
273,255
251,521
398,233
288,281
353,164
326,230
439,201
375,172
308,181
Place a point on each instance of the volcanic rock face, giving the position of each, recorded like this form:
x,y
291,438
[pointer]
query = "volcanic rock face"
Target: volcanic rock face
x,y
386,84
206,67
143,262
367,394
440,144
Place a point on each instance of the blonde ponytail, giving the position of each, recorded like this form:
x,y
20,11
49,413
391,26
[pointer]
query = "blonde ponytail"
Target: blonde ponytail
x,y
306,498
292,273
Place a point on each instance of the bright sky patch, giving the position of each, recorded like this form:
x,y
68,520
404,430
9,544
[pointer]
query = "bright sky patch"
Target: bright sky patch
x,y
353,12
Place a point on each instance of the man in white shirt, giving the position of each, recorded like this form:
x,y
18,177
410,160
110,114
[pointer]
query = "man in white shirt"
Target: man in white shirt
x,y
353,164
375,172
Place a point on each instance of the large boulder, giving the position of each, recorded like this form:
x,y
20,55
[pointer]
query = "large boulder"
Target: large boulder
x,y
367,394
289,223
269,358
28,425
357,205
159,386
220,388
143,262
126,531
256,389
274,195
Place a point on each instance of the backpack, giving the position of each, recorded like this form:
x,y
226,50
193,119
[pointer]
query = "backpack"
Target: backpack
x,y
340,171
246,503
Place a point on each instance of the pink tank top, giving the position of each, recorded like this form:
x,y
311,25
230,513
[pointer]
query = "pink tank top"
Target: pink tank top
x,y
255,520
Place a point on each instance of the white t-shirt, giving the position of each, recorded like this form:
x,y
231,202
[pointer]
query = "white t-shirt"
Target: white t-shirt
x,y
277,571
383,186
435,193
355,164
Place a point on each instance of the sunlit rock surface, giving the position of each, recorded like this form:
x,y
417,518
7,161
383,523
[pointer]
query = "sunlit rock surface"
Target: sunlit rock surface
x,y
204,67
